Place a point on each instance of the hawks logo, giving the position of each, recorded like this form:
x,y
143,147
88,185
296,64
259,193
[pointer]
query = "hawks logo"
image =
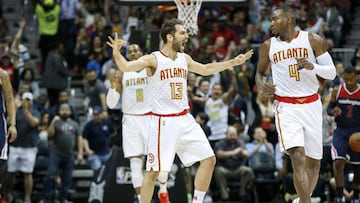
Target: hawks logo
x,y
150,158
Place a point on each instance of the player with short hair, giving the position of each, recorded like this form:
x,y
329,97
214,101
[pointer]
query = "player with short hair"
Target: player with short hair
x,y
297,59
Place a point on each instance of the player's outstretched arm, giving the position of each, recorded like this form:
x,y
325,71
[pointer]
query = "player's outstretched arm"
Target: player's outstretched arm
x,y
211,68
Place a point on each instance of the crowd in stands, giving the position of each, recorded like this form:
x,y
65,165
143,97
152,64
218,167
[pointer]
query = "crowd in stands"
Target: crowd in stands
x,y
228,105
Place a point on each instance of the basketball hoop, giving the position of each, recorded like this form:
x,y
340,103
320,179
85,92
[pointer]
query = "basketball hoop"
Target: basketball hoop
x,y
188,11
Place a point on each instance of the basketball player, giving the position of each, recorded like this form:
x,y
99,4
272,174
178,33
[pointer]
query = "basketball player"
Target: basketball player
x,y
173,130
132,86
345,106
8,132
296,59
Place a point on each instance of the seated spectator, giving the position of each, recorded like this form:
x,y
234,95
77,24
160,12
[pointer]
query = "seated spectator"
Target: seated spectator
x,y
259,144
201,118
94,65
232,155
96,134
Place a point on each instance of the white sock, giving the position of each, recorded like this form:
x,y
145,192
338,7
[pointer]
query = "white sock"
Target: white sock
x,y
162,178
163,187
138,196
198,196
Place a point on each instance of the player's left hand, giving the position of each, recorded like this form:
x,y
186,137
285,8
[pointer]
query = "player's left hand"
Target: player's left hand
x,y
303,63
12,133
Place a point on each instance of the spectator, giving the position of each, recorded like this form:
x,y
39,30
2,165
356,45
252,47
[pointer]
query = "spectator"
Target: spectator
x,y
200,96
232,155
23,52
98,50
327,133
8,66
96,142
333,21
22,152
66,134
82,48
42,158
68,15
356,57
216,107
22,89
202,118
240,23
28,77
64,98
265,116
43,147
56,69
259,144
106,67
95,92
94,65
48,15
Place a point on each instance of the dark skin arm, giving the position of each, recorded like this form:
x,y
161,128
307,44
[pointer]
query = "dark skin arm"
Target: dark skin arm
x,y
318,44
267,87
335,111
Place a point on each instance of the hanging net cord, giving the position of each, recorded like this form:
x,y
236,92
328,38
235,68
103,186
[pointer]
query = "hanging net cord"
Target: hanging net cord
x,y
188,13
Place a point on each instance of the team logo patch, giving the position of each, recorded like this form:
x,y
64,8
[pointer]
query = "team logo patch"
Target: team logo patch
x,y
150,158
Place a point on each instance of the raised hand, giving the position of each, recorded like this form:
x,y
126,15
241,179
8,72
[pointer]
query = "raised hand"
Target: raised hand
x,y
116,43
241,58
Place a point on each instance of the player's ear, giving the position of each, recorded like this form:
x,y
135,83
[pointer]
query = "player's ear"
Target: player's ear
x,y
169,37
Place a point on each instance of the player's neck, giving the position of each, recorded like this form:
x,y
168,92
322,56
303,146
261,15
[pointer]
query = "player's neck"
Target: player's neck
x,y
290,35
169,52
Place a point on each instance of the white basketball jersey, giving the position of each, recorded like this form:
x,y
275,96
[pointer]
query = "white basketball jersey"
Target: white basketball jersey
x,y
289,81
169,84
218,118
135,99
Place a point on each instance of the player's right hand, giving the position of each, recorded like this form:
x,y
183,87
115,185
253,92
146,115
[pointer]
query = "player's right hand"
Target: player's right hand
x,y
241,58
116,43
268,89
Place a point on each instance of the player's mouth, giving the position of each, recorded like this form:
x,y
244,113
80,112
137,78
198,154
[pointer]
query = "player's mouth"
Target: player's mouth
x,y
273,29
184,43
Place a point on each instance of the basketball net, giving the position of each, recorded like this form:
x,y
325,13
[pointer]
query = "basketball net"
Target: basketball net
x,y
188,11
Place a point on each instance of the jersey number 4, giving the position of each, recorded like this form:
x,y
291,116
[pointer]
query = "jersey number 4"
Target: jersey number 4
x,y
294,72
